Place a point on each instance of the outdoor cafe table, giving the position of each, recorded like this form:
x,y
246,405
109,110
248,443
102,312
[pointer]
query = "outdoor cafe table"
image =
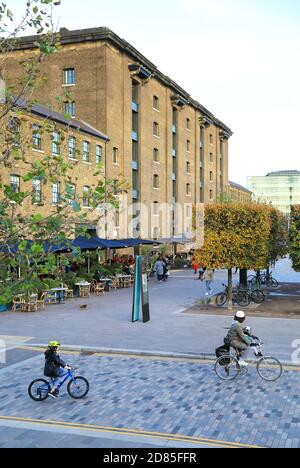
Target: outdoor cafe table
x,y
107,283
121,278
78,285
60,294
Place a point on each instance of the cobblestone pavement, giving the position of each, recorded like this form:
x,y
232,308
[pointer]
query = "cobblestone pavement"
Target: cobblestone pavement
x,y
180,398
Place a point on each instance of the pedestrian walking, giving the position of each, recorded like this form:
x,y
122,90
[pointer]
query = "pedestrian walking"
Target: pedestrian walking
x,y
208,278
159,268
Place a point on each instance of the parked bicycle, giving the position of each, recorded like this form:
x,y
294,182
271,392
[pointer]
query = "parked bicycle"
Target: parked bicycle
x,y
255,294
227,366
263,279
239,297
78,387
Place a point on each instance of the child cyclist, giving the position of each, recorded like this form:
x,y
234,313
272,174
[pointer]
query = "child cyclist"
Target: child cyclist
x,y
54,367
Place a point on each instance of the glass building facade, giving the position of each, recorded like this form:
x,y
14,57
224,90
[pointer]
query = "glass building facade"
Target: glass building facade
x,y
281,188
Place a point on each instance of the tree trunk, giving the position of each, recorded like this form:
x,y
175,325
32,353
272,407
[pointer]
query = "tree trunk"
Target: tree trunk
x,y
243,277
230,304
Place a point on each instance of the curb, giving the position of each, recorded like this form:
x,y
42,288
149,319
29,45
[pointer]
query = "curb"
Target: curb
x,y
130,352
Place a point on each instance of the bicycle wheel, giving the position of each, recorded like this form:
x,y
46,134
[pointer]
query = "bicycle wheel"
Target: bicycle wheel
x,y
273,283
78,389
227,367
38,390
269,369
221,299
258,297
242,298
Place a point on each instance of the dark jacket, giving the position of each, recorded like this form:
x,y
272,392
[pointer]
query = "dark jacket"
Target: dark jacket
x,y
53,364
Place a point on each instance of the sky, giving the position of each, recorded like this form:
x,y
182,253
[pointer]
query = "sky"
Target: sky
x,y
238,58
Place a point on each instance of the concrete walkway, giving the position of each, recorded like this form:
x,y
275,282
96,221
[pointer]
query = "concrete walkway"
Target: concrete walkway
x,y
106,323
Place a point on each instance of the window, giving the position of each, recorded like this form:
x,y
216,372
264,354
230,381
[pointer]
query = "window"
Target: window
x,y
55,193
135,182
14,127
188,124
155,103
156,233
211,194
71,192
211,139
135,151
188,211
135,122
85,151
211,157
117,218
135,92
98,154
155,208
15,183
188,145
156,155
156,181
115,156
174,116
156,129
72,147
188,167
69,76
55,143
70,108
211,176
188,189
36,137
37,190
86,196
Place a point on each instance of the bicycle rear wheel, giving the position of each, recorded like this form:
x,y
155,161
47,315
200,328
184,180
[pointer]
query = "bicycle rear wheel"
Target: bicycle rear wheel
x,y
269,369
79,388
258,297
38,390
242,298
221,299
227,367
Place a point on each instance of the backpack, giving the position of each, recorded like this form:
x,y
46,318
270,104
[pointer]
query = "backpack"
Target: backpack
x,y
223,351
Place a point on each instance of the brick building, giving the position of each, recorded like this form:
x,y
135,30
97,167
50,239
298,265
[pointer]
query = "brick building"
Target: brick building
x,y
38,132
238,193
167,146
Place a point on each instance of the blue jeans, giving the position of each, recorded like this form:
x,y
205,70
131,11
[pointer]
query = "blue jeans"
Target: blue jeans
x,y
208,286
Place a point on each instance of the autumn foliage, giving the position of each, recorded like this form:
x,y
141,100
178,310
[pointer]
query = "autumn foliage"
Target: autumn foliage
x,y
236,235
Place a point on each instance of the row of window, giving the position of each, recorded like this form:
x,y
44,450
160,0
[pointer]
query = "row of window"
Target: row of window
x,y
37,196
37,144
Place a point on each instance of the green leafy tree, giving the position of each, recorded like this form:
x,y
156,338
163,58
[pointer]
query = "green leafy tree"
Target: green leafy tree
x,y
295,237
236,235
26,260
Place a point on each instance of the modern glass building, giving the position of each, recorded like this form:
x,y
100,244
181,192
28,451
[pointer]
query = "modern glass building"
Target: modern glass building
x,y
281,188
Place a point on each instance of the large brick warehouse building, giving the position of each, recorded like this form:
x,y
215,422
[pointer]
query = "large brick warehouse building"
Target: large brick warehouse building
x,y
167,146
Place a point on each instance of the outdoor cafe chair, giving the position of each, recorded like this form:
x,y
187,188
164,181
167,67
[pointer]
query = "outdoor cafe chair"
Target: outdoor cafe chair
x,y
18,304
85,291
31,305
114,284
51,297
69,292
99,289
41,302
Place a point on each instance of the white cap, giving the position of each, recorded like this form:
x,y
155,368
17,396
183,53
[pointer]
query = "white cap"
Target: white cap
x,y
240,314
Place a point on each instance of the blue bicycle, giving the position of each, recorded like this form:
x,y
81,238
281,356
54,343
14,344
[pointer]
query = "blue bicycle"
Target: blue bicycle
x,y
78,387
